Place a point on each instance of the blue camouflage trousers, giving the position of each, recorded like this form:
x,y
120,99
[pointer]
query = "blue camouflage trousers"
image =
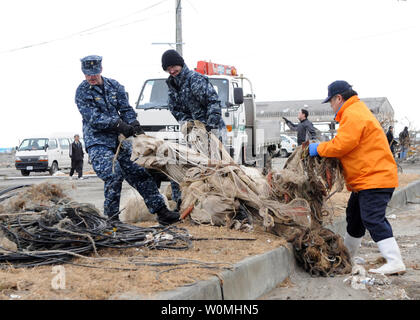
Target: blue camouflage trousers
x,y
124,169
159,177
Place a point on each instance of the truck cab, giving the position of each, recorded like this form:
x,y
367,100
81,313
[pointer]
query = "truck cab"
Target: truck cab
x,y
248,139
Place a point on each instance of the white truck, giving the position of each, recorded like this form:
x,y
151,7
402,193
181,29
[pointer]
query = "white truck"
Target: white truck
x,y
43,154
250,140
288,145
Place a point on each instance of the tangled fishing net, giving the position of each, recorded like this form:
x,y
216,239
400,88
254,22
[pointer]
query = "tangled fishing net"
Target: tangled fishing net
x,y
39,225
288,202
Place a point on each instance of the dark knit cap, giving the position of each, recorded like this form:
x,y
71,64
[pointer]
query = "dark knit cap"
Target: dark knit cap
x,y
171,58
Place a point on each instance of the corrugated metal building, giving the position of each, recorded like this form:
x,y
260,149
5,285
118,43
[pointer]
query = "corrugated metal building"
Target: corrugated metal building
x,y
321,115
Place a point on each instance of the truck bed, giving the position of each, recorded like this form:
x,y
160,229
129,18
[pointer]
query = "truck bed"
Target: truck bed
x,y
267,132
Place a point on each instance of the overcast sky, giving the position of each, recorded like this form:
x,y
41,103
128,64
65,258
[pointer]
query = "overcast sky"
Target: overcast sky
x,y
291,50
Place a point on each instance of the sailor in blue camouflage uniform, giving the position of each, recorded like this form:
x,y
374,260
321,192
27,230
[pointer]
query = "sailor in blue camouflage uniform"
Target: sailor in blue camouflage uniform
x,y
191,97
191,94
106,114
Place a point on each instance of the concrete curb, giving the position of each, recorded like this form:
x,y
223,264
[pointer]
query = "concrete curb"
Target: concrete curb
x,y
408,194
272,267
241,283
276,264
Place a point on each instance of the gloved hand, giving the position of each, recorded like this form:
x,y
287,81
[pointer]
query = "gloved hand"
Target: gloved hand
x,y
313,149
285,119
138,130
209,128
125,129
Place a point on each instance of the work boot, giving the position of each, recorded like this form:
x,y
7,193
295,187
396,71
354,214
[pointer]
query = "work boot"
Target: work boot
x,y
391,252
166,217
353,244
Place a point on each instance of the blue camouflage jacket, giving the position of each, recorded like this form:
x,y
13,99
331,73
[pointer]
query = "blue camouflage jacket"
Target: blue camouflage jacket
x,y
193,97
101,111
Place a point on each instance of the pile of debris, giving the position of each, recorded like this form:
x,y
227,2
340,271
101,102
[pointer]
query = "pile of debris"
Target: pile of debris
x,y
289,202
40,225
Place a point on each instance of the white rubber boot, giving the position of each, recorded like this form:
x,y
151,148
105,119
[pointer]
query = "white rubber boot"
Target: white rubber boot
x,y
353,244
391,252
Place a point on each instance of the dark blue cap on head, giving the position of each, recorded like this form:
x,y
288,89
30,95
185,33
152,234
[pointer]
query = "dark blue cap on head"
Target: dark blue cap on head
x,y
337,87
171,58
91,65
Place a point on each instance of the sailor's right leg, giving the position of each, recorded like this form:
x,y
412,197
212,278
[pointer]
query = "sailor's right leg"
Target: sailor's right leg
x,y
102,163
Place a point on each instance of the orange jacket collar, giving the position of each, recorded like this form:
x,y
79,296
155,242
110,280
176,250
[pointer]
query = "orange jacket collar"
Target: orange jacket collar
x,y
346,104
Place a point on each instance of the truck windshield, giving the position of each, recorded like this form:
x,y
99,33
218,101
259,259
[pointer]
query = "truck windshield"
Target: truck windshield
x,y
154,94
33,144
222,89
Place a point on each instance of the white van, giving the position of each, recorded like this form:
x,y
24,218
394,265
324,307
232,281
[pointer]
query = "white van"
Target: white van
x,y
43,154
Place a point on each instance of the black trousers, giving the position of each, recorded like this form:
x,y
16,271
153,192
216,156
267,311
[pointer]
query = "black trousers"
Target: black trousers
x,y
366,210
78,166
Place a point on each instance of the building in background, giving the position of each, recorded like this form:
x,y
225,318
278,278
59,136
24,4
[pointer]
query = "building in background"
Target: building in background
x,y
321,115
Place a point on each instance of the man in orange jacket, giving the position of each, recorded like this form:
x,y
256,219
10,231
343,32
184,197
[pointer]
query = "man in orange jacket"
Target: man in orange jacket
x,y
370,173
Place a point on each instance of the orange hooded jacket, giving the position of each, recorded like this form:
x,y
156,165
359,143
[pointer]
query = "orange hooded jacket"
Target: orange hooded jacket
x,y
362,148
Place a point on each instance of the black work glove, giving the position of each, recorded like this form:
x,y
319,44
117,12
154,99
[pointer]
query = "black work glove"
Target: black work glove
x,y
209,128
138,130
125,129
285,119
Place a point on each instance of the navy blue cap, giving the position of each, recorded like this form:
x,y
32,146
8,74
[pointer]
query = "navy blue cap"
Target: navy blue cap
x,y
91,65
337,87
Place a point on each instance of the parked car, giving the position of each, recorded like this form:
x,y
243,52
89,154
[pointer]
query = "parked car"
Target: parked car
x,y
43,155
288,145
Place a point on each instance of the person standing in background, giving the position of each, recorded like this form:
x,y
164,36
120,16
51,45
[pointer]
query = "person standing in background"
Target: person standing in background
x,y
76,155
390,138
404,138
305,129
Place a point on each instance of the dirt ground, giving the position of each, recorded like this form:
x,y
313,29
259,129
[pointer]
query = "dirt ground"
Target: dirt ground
x,y
118,271
103,279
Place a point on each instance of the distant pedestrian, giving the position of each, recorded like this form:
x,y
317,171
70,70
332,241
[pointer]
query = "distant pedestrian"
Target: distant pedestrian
x,y
305,129
390,137
404,138
76,154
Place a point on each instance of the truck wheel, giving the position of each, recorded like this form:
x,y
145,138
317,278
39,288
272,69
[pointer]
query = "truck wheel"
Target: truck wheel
x,y
283,153
25,172
54,168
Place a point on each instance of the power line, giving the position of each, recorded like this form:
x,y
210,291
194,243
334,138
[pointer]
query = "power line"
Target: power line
x,y
126,24
86,31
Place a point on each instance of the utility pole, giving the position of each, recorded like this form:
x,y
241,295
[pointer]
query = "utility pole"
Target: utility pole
x,y
178,31
178,39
